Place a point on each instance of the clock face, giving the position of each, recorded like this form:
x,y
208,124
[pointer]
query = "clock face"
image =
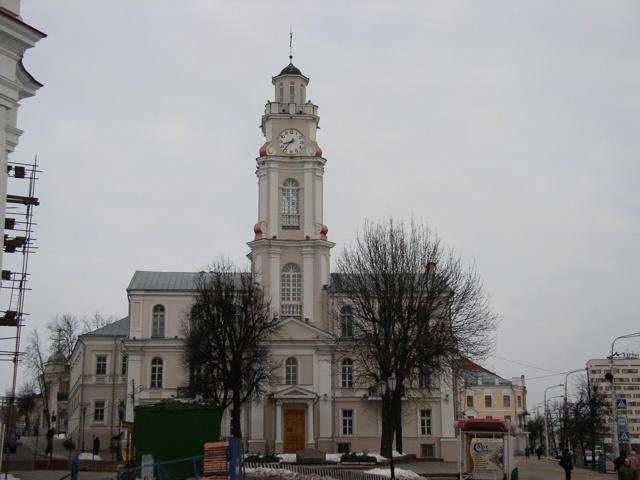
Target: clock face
x,y
291,141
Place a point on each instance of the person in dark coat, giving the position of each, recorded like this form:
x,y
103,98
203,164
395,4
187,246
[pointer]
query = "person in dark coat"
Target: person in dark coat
x,y
96,445
618,463
49,436
539,451
566,463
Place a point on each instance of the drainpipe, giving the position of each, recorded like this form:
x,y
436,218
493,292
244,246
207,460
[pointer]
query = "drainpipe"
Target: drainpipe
x,y
113,387
82,407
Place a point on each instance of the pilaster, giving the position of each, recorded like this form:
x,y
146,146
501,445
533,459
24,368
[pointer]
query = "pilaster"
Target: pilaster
x,y
308,279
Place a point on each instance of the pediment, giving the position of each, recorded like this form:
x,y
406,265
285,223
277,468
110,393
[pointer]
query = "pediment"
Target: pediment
x,y
295,392
294,329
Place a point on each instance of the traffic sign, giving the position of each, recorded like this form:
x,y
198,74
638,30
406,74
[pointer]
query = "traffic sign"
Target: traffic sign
x,y
624,436
621,403
622,421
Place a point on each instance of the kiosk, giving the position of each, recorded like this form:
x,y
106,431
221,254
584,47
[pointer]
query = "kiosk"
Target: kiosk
x,y
486,449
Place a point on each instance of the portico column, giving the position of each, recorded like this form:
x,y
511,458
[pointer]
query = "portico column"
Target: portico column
x,y
278,421
311,438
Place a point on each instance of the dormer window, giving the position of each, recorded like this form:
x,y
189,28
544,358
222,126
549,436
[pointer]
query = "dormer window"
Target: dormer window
x,y
290,204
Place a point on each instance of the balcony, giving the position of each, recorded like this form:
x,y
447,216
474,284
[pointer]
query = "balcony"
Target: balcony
x,y
290,220
289,310
291,108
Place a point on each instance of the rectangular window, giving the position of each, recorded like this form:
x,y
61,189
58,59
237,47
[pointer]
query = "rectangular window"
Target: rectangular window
x,y
292,93
519,401
469,400
281,88
98,410
489,417
507,418
506,400
123,367
344,447
487,400
427,450
101,364
425,422
347,422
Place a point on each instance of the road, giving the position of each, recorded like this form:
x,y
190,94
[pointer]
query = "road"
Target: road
x,y
534,469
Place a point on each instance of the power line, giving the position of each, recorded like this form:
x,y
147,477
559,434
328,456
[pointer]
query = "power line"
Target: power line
x,y
527,365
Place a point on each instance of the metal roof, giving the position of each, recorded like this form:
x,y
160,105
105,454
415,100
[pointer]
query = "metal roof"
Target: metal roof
x,y
118,328
163,281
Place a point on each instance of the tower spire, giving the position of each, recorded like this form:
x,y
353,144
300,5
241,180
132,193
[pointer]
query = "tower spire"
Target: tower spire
x,y
290,44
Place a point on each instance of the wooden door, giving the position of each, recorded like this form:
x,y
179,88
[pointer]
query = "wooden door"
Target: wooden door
x,y
293,431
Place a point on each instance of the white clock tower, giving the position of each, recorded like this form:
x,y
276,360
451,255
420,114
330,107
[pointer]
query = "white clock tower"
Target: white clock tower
x,y
290,252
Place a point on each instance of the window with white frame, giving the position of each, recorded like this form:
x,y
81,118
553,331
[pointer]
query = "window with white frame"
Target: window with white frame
x,y
157,372
302,93
487,400
427,450
291,371
425,421
346,322
469,400
157,322
292,92
281,92
507,418
346,373
101,364
347,422
290,203
291,291
506,400
98,410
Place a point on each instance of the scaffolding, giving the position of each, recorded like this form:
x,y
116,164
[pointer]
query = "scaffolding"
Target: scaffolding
x,y
19,240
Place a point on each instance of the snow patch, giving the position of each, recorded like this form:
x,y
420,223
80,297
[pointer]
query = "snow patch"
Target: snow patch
x,y
382,459
60,436
287,457
333,457
399,473
281,474
10,477
89,456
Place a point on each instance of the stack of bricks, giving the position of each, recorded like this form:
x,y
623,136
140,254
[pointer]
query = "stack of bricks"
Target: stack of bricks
x,y
215,465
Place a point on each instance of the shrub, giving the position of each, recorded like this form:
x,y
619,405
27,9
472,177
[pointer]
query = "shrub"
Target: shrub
x,y
357,457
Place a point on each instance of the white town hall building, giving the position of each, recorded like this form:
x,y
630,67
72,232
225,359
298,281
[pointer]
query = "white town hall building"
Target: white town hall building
x,y
316,401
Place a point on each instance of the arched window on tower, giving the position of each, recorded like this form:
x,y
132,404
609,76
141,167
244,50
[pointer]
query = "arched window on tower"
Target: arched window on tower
x,y
292,92
157,322
291,291
157,373
346,322
346,373
290,204
291,371
302,99
281,92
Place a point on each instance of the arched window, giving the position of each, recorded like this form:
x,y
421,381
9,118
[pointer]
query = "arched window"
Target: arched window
x,y
281,92
157,323
346,322
157,372
292,93
290,204
346,373
291,371
302,93
291,291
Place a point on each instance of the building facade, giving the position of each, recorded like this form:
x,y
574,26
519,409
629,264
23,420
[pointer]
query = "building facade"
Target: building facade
x,y
486,395
626,385
316,401
97,378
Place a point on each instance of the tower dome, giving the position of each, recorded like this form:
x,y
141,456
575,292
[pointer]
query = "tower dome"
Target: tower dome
x,y
290,69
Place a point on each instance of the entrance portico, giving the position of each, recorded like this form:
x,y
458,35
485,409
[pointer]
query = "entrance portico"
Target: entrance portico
x,y
294,419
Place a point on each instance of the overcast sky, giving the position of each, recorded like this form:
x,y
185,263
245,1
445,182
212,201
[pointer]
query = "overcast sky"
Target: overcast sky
x,y
510,127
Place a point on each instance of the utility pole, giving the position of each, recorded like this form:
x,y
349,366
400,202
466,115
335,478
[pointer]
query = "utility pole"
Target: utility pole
x,y
614,409
546,426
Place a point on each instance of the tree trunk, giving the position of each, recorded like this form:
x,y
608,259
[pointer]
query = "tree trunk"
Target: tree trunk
x,y
236,426
388,424
397,407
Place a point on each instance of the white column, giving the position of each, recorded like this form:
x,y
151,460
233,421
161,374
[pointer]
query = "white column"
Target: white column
x,y
325,425
308,276
308,201
311,437
134,364
278,421
274,190
257,420
262,195
318,195
274,283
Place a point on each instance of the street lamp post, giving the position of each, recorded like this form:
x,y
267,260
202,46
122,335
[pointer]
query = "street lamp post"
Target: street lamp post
x,y
614,410
390,386
546,426
566,406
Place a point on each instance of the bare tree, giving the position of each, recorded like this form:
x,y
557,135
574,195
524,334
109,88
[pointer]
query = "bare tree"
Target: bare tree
x,y
416,310
35,360
26,402
95,321
225,339
62,332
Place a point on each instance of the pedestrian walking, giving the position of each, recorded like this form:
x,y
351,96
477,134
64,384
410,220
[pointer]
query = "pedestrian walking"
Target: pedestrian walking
x,y
96,445
539,451
619,462
49,436
626,472
526,452
566,463
634,461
